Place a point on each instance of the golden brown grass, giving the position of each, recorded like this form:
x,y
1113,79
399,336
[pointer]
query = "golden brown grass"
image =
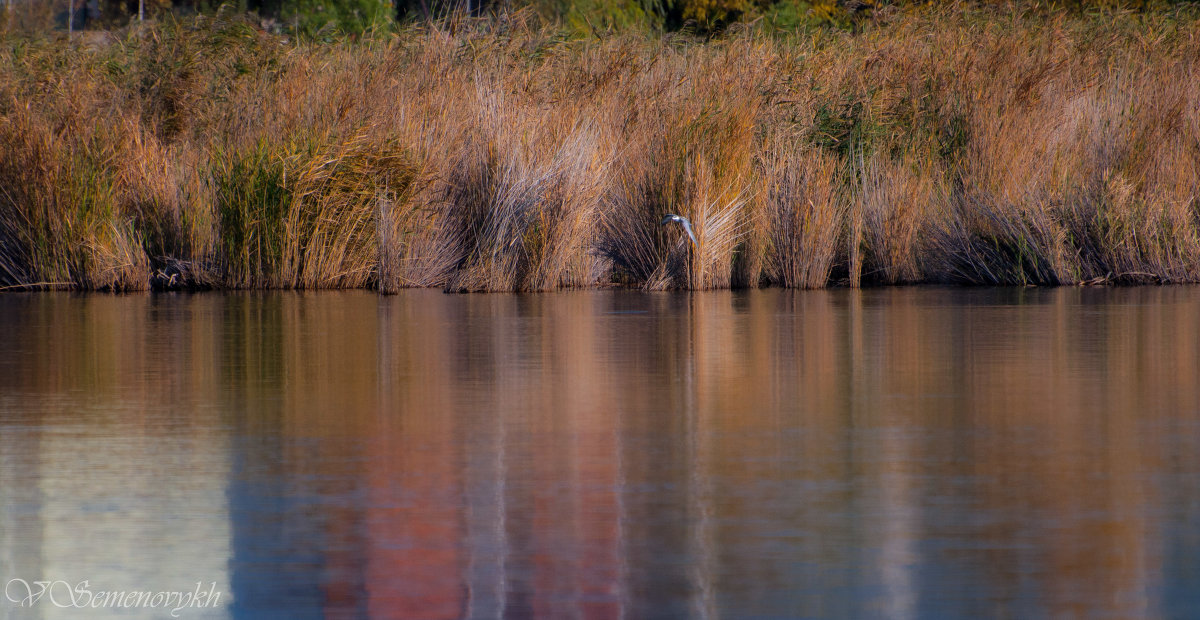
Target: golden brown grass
x,y
936,145
806,217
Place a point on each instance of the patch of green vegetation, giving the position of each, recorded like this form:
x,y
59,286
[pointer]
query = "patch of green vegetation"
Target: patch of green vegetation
x,y
322,19
251,196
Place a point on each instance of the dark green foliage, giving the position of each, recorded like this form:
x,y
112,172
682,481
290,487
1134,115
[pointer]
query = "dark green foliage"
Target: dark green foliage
x,y
331,17
251,195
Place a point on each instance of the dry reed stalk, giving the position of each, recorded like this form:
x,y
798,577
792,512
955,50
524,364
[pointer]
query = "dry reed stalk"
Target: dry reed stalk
x,y
806,214
897,200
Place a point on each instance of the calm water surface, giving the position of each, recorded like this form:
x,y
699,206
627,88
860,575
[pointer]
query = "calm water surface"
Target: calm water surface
x,y
899,453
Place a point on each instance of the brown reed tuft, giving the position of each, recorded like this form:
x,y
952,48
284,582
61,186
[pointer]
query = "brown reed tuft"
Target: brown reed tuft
x,y
977,145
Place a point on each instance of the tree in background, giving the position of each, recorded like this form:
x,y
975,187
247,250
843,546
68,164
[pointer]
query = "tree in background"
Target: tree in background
x,y
704,15
333,17
308,17
312,17
588,15
407,10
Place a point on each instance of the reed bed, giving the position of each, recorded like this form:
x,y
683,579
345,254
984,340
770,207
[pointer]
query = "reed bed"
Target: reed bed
x,y
955,145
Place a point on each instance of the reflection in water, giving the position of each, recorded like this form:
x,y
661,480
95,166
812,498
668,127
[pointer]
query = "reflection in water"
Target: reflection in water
x,y
898,453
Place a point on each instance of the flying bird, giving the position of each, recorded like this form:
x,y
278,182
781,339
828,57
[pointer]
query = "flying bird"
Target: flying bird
x,y
687,226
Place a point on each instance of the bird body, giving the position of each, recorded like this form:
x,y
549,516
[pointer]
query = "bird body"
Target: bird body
x,y
687,226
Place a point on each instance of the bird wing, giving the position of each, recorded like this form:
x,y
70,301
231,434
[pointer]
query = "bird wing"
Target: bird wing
x,y
687,227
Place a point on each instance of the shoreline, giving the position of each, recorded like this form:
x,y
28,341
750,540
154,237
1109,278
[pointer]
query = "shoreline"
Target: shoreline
x,y
844,286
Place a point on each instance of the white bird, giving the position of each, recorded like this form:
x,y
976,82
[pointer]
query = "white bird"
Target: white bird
x,y
687,226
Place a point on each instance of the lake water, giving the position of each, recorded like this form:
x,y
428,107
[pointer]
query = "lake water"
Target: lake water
x,y
892,453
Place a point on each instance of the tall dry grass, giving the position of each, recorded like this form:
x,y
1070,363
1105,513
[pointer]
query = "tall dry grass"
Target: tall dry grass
x,y
959,144
807,212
